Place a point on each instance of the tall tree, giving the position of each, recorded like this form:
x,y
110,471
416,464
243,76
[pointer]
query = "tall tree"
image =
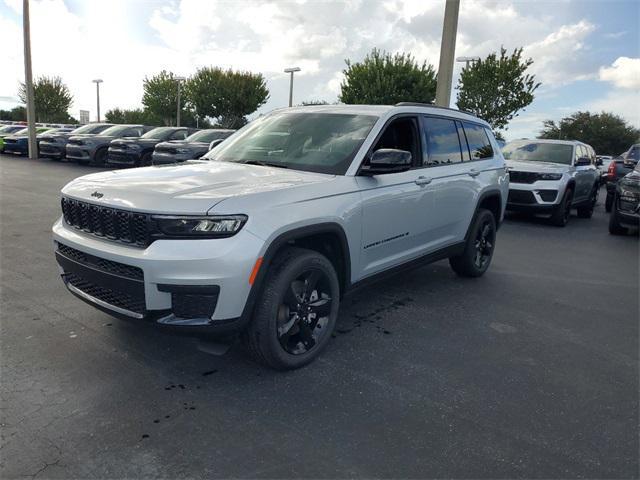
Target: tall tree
x,y
226,95
607,133
160,98
497,88
51,97
16,114
385,79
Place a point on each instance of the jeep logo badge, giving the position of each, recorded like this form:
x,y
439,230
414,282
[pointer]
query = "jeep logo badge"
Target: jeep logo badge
x,y
97,194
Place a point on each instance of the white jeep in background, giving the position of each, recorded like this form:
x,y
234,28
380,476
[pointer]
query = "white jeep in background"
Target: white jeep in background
x,y
264,236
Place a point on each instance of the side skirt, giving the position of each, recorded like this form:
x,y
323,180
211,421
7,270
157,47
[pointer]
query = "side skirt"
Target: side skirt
x,y
446,252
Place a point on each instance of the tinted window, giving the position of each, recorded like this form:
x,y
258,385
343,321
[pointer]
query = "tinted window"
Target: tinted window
x,y
478,141
443,145
179,135
159,133
401,134
208,136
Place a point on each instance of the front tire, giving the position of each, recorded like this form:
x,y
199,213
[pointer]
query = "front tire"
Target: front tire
x,y
562,213
100,157
296,311
145,160
587,210
478,250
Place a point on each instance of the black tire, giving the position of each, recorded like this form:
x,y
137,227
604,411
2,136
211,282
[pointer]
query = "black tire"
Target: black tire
x,y
614,224
608,203
145,160
281,335
586,211
562,213
100,157
480,244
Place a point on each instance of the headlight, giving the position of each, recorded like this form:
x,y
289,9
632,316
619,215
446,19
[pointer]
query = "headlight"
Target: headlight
x,y
202,227
550,176
628,195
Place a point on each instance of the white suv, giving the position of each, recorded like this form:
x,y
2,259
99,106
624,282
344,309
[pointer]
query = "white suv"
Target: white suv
x,y
552,177
266,234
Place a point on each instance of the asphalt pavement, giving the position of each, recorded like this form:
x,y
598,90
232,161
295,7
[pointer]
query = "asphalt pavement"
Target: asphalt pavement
x,y
528,372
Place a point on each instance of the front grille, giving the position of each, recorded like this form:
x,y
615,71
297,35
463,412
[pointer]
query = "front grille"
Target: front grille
x,y
103,264
117,225
76,142
522,177
521,196
107,295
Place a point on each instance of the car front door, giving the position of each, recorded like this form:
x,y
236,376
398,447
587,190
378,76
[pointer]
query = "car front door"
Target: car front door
x,y
395,206
584,175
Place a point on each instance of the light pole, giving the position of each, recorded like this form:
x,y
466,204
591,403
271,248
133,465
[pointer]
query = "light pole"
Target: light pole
x,y
447,50
179,80
467,60
28,81
291,70
98,81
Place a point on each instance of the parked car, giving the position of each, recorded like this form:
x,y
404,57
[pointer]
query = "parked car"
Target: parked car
x,y
136,152
602,164
7,131
53,145
92,149
552,177
264,242
625,211
18,143
194,146
619,168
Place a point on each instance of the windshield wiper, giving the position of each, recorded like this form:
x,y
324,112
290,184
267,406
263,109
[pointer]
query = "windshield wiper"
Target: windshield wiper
x,y
264,164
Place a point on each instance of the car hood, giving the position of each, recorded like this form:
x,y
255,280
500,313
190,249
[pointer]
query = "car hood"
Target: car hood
x,y
189,188
183,144
540,167
136,141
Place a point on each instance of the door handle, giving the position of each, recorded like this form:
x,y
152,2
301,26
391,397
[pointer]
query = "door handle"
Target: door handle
x,y
473,172
423,180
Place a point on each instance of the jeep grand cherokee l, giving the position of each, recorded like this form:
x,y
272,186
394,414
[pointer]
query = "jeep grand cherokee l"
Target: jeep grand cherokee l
x,y
552,177
286,216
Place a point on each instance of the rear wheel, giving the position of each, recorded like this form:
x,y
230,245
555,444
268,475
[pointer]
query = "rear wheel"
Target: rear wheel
x,y
478,250
586,211
562,213
296,311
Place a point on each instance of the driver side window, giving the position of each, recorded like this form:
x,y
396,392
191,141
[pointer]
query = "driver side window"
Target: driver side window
x,y
401,134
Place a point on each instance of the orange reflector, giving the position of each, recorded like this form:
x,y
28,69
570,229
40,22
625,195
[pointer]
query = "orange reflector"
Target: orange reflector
x,y
254,272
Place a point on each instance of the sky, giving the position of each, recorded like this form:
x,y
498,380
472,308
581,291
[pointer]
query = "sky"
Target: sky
x,y
586,52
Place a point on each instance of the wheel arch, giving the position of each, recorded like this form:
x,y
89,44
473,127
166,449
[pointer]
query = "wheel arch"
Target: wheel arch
x,y
327,238
490,200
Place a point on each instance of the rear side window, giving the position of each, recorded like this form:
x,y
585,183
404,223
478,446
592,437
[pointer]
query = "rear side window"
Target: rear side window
x,y
478,141
443,145
179,135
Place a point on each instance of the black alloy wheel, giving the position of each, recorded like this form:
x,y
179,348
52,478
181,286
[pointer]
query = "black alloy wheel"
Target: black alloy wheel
x,y
304,312
485,241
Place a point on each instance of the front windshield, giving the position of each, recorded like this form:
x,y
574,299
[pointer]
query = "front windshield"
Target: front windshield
x,y
158,133
315,142
207,136
87,129
539,152
115,130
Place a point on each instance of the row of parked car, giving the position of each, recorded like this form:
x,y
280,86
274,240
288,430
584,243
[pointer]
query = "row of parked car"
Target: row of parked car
x,y
103,144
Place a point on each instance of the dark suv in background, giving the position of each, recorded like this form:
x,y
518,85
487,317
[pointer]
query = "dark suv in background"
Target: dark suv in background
x,y
136,152
618,168
93,148
625,210
53,144
193,147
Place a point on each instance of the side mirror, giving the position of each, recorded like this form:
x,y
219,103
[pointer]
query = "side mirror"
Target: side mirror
x,y
387,160
215,143
582,161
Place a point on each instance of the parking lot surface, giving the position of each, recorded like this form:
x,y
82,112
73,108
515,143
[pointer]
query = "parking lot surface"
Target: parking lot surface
x,y
530,371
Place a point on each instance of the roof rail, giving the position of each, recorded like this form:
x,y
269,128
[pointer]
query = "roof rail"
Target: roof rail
x,y
431,105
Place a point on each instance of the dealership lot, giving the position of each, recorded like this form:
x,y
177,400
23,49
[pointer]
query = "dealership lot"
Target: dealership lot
x,y
530,371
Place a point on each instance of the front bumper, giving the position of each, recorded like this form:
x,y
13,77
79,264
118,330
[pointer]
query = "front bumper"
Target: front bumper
x,y
120,157
53,150
171,272
79,153
168,158
540,196
20,148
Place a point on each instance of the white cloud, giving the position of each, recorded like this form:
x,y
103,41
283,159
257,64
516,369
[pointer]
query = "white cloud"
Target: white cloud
x,y
623,73
621,102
